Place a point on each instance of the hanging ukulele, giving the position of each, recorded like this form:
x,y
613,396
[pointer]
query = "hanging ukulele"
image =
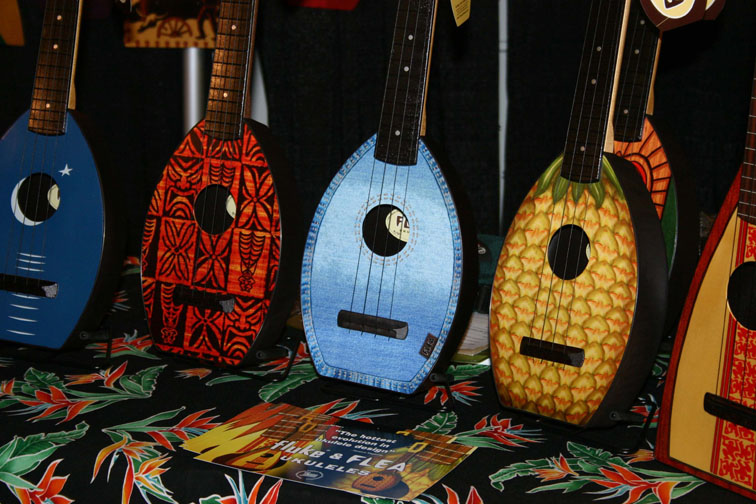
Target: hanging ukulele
x,y
708,415
580,287
388,273
642,140
220,248
52,286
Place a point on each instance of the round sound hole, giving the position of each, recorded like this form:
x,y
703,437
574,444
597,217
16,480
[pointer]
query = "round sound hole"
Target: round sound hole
x,y
385,230
569,251
35,199
214,209
741,295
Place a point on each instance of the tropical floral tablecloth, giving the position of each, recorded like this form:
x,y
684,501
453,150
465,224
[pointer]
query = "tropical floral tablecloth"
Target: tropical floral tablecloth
x,y
96,427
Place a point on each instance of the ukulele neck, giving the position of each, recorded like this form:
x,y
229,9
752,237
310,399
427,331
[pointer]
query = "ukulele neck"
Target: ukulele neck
x,y
53,90
403,108
589,132
234,43
747,197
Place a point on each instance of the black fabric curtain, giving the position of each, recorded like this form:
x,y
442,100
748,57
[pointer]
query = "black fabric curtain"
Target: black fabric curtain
x,y
702,92
324,72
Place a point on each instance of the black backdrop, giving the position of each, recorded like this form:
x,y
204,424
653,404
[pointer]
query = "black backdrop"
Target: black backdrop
x,y
324,73
702,90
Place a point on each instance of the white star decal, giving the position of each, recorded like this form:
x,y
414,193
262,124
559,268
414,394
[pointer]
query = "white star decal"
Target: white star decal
x,y
66,170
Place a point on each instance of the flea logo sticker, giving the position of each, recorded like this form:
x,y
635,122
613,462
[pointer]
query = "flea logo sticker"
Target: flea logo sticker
x,y
66,171
398,225
309,475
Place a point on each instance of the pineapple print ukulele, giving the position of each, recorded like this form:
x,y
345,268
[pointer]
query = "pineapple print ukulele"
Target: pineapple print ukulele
x,y
580,291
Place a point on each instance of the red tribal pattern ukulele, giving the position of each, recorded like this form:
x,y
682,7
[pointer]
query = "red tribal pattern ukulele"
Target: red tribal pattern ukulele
x,y
216,274
708,416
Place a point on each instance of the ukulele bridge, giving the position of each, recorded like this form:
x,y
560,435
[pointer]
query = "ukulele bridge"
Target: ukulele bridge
x,y
370,323
730,411
29,286
554,352
203,300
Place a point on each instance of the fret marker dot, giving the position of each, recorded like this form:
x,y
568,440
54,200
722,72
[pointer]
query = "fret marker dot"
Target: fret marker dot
x,y
55,46
406,69
410,36
225,94
233,27
643,21
598,49
59,17
593,81
637,51
47,105
625,111
397,132
582,148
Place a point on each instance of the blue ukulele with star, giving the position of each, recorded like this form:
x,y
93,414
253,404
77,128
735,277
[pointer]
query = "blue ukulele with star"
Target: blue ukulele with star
x,y
58,252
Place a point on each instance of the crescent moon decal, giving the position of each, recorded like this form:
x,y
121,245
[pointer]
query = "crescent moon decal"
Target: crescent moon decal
x,y
15,208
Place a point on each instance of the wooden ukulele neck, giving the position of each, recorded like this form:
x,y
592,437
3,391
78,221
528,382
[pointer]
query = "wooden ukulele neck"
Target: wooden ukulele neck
x,y
227,95
53,90
402,111
747,199
589,132
637,74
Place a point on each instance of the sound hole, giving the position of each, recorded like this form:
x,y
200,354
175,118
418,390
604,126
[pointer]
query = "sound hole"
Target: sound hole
x,y
37,199
741,295
214,209
569,251
385,230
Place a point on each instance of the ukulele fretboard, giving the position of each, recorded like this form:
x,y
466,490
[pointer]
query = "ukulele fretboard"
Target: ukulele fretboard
x,y
583,151
233,45
52,81
404,95
747,199
636,75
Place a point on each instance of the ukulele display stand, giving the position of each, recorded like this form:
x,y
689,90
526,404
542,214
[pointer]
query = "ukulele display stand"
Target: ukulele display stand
x,y
349,390
50,355
626,417
99,335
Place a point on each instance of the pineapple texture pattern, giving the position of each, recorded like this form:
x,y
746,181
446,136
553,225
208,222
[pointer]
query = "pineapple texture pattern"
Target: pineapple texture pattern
x,y
593,311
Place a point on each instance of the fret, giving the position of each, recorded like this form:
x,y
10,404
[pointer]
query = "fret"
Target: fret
x,y
228,81
406,83
590,107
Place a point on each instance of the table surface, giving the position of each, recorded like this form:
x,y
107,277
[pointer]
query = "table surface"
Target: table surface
x,y
77,424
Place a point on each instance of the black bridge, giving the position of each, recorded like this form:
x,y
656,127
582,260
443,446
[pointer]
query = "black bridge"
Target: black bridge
x,y
554,352
370,323
30,286
730,411
204,300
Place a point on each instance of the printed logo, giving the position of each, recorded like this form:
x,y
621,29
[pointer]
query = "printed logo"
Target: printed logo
x,y
309,475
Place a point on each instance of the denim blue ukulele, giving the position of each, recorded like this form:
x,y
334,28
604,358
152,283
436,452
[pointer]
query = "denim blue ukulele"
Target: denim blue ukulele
x,y
57,237
388,273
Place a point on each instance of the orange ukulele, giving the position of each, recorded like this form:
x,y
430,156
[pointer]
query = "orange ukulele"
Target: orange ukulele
x,y
221,247
708,416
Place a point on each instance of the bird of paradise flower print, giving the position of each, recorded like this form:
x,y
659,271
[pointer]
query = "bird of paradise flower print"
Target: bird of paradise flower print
x,y
589,468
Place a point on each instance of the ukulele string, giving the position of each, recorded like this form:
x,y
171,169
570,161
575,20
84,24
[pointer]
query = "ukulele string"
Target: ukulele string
x,y
563,215
31,271
383,176
413,136
68,40
612,37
